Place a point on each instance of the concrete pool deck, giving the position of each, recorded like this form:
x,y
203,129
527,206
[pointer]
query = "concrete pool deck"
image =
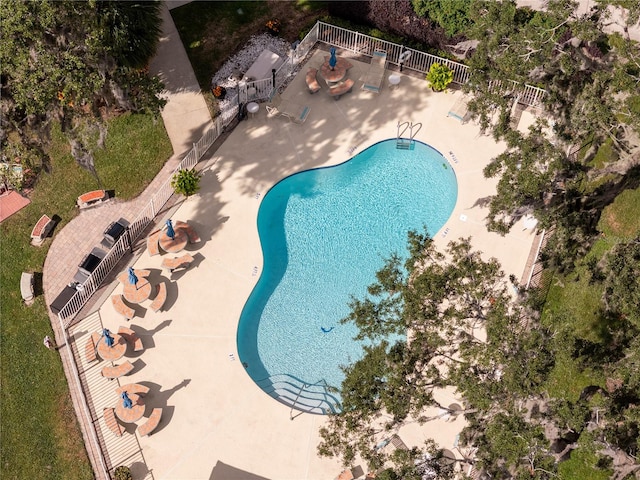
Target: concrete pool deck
x,y
216,423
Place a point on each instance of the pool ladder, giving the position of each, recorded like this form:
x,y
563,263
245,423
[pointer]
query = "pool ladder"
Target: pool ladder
x,y
403,143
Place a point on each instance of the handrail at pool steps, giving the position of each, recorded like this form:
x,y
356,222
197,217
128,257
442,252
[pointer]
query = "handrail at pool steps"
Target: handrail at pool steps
x,y
306,397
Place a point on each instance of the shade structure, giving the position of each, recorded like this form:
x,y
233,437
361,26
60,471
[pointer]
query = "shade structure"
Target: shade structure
x,y
333,60
170,232
108,339
133,279
126,401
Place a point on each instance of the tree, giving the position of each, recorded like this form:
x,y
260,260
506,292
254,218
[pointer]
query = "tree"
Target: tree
x,y
186,182
64,60
451,15
440,299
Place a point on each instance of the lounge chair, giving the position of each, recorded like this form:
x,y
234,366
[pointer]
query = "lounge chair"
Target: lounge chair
x,y
372,80
459,110
294,112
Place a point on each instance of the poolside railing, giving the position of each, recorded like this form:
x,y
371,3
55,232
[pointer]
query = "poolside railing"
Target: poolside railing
x,y
316,398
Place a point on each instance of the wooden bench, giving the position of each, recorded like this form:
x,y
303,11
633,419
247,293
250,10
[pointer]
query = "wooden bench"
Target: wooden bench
x,y
117,371
41,230
133,388
91,198
90,352
132,338
26,287
153,243
172,264
312,81
122,308
343,87
189,230
109,415
160,298
151,424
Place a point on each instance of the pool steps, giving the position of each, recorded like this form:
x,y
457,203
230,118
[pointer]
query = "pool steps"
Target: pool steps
x,y
310,398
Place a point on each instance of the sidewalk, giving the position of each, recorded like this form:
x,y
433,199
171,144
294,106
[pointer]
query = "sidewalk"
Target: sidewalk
x,y
186,118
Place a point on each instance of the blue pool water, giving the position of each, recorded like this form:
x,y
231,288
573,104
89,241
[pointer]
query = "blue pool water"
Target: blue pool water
x,y
324,235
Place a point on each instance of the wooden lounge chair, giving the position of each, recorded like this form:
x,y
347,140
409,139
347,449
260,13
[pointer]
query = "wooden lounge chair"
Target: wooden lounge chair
x,y
294,112
372,80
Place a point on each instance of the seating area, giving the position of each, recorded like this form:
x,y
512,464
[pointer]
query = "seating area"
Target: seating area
x,y
151,424
336,91
176,263
26,287
111,421
312,81
122,308
372,80
132,338
92,198
160,298
117,371
41,230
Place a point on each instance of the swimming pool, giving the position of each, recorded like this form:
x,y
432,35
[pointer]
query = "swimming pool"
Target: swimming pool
x,y
324,234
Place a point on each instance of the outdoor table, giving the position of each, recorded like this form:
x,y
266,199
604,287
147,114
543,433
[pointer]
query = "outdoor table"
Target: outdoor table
x,y
133,414
394,80
335,75
176,244
114,352
138,292
252,108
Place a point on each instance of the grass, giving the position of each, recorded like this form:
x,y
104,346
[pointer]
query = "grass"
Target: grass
x,y
620,220
40,434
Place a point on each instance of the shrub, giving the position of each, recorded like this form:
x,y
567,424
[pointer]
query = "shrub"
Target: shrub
x,y
186,182
122,473
439,77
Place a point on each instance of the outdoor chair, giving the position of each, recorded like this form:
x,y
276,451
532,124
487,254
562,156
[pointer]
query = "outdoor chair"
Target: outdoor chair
x,y
372,80
293,111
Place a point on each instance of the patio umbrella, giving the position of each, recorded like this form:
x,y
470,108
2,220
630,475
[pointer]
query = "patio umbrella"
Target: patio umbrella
x,y
126,401
332,59
170,232
133,279
108,339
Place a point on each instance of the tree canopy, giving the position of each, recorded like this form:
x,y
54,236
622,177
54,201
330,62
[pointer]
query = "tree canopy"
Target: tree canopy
x,y
66,60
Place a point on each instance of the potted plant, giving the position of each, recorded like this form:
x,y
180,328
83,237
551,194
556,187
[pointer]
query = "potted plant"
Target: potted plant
x,y
186,182
273,27
439,77
219,92
122,473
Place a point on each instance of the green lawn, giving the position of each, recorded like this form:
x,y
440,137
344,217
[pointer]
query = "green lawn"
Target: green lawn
x,y
40,434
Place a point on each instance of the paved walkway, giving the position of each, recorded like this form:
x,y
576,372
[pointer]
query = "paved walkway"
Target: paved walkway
x,y
186,118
